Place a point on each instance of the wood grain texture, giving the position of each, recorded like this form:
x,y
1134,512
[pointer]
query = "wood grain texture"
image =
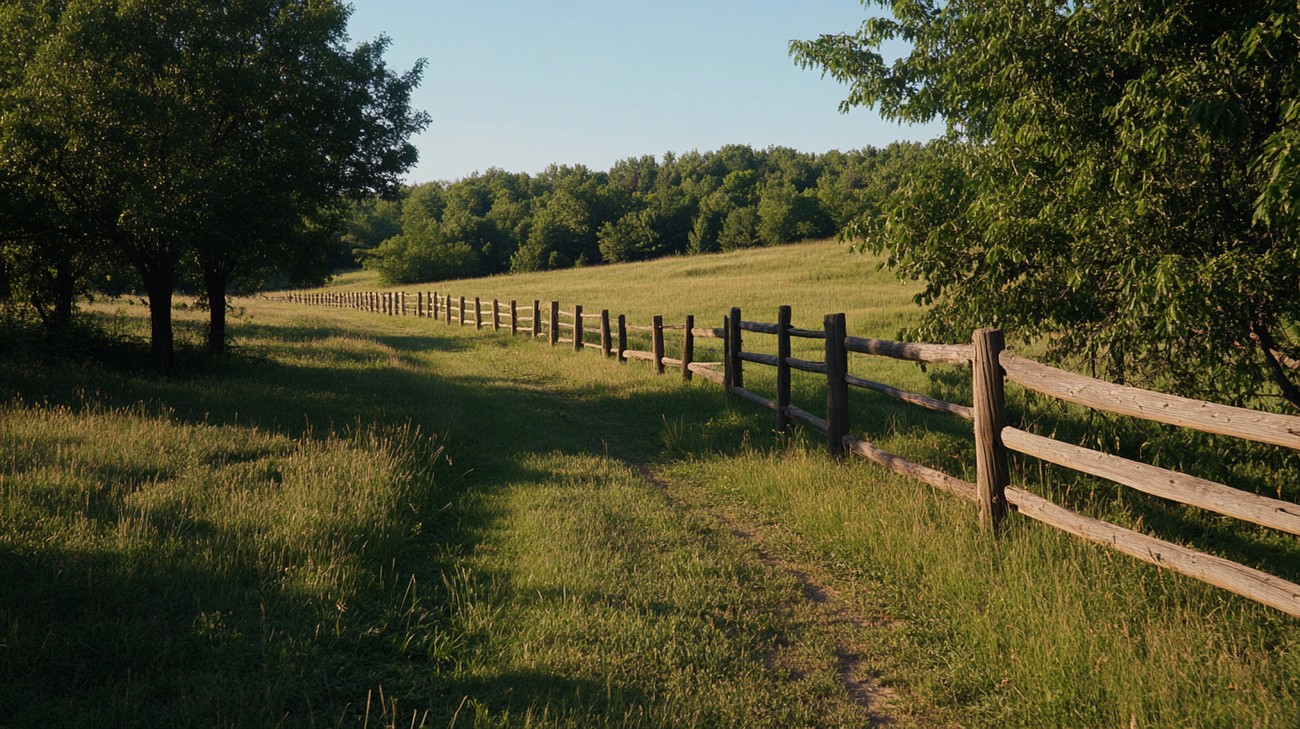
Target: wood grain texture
x,y
900,465
1282,430
991,473
706,372
929,403
1245,581
959,354
1180,487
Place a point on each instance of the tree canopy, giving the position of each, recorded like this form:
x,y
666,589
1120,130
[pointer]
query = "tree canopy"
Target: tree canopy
x,y
193,139
1118,179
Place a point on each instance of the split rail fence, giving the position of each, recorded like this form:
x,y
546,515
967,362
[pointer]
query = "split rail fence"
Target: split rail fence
x,y
991,368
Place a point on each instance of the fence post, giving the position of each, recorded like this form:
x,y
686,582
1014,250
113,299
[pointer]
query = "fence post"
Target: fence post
x,y
478,313
403,303
496,315
606,346
514,318
461,321
735,343
688,347
991,475
726,353
657,344
622,338
447,309
577,327
837,387
419,304
537,318
782,368
554,329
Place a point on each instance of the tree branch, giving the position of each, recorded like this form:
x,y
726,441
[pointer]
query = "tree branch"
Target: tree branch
x,y
1268,345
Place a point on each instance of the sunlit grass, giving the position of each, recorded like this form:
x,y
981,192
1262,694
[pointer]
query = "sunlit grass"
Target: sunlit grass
x,y
362,519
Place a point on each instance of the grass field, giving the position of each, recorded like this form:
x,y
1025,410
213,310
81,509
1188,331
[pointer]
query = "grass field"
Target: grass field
x,y
370,521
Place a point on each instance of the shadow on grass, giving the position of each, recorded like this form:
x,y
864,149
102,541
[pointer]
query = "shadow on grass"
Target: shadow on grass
x,y
142,638
100,638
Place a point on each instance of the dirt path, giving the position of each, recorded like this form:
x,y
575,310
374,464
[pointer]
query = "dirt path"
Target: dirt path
x,y
826,609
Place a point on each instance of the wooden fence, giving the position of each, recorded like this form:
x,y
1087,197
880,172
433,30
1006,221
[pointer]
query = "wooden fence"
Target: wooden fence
x,y
990,368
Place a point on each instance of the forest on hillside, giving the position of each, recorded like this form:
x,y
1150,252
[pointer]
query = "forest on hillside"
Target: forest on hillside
x,y
641,208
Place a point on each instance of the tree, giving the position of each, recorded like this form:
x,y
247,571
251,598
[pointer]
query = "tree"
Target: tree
x,y
1118,179
786,216
631,238
740,229
215,135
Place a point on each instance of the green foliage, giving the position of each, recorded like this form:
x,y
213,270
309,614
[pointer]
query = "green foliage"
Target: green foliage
x,y
192,140
786,216
641,208
632,238
1117,180
740,229
371,221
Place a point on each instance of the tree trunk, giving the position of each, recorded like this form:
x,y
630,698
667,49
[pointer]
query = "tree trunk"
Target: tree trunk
x,y
160,284
215,280
161,345
64,291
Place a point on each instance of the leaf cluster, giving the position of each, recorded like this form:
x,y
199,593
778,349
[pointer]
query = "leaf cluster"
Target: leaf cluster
x,y
1117,180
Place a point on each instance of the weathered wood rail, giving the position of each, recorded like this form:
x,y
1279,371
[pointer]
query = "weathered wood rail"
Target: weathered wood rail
x,y
991,367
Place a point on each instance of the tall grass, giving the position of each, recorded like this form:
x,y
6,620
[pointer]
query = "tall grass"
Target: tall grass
x,y
280,538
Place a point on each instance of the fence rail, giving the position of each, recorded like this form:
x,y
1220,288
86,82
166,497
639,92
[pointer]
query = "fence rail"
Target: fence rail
x,y
990,367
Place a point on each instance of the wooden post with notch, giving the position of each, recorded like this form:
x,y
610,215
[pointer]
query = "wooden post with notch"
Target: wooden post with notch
x,y
782,368
606,346
554,329
688,347
988,386
514,318
537,318
478,313
496,315
462,311
657,343
577,327
735,344
837,386
622,338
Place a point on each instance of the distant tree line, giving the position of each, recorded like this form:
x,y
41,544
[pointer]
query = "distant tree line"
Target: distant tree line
x,y
147,146
641,208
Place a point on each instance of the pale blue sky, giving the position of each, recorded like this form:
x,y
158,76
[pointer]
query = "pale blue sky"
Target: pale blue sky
x,y
520,84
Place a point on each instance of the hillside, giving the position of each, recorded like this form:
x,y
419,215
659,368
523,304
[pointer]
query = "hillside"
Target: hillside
x,y
362,518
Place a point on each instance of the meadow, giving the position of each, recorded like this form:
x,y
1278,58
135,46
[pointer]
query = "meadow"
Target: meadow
x,y
359,520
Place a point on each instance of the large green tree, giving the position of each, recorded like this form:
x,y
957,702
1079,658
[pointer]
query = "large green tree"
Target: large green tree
x,y
216,136
1117,178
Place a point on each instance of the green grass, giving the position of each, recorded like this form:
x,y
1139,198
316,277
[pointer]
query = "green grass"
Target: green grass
x,y
366,520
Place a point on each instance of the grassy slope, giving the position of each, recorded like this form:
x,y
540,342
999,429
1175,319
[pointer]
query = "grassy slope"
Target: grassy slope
x,y
366,516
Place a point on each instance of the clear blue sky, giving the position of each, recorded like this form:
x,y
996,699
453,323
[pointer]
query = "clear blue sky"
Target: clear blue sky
x,y
520,84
